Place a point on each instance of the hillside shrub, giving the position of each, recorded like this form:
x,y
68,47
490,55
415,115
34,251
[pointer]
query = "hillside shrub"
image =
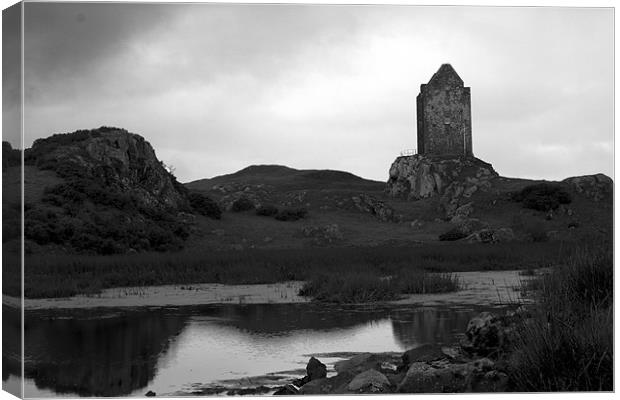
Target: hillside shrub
x,y
291,214
242,204
452,234
267,210
94,219
543,196
204,205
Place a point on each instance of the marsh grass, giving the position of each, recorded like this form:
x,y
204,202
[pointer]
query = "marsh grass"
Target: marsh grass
x,y
568,344
349,288
367,287
68,275
420,282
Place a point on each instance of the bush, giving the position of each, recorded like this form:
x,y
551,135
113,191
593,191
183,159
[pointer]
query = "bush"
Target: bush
x,y
291,214
242,204
42,226
204,205
543,196
267,210
452,234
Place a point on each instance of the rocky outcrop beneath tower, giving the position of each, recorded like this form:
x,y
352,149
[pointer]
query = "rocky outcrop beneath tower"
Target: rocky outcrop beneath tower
x,y
453,179
419,176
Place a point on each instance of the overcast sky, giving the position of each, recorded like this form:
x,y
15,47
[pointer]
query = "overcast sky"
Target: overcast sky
x,y
215,88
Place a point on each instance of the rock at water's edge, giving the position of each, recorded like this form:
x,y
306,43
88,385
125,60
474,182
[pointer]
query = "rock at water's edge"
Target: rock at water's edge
x,y
369,381
316,369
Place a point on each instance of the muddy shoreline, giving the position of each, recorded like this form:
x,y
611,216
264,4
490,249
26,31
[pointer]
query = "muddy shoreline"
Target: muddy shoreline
x,y
479,288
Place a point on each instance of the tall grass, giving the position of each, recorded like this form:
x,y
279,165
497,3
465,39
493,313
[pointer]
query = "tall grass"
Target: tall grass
x,y
568,344
67,275
368,287
420,282
349,288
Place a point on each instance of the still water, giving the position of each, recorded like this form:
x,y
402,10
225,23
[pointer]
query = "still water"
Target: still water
x,y
175,351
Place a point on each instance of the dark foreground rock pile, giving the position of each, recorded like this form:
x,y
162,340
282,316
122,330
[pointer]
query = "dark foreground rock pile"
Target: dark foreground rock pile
x,y
476,364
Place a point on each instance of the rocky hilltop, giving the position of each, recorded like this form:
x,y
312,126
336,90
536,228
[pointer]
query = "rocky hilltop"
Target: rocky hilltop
x,y
104,191
116,159
596,187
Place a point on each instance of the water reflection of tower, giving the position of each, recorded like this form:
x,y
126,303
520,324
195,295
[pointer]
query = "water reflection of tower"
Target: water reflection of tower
x,y
428,325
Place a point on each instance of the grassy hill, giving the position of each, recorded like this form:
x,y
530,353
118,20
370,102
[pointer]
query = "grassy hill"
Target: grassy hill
x,y
328,196
286,178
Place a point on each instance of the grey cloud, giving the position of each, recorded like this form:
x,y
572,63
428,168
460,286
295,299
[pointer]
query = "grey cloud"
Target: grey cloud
x,y
218,87
11,71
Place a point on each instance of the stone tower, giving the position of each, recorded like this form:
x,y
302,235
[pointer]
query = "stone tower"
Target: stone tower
x,y
444,115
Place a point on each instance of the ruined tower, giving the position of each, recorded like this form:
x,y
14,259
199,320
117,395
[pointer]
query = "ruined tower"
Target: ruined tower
x,y
444,115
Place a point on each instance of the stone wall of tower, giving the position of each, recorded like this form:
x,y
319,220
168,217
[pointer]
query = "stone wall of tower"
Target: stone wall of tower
x,y
444,115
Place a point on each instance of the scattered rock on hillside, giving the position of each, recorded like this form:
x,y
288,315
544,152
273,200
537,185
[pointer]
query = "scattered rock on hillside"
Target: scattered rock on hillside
x,y
255,198
416,224
462,211
379,209
296,198
596,187
500,235
322,235
468,226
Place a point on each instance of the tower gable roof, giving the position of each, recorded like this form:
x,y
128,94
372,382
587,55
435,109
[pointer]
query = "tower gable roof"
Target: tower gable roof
x,y
446,75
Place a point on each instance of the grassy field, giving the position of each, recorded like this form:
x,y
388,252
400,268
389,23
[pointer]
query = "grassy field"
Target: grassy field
x,y
67,275
568,344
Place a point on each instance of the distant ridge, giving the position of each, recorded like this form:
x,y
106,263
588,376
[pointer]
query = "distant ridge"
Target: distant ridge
x,y
280,175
